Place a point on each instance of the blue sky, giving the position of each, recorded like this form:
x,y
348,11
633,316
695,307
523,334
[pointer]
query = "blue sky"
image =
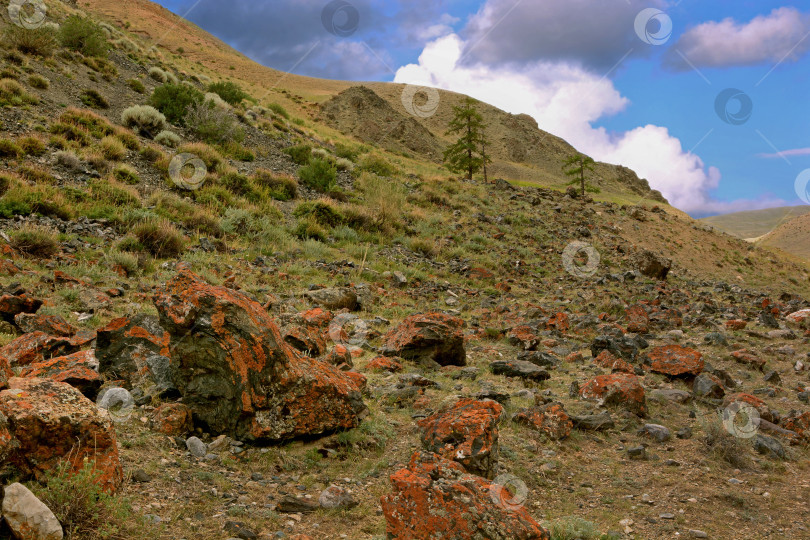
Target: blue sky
x,y
623,93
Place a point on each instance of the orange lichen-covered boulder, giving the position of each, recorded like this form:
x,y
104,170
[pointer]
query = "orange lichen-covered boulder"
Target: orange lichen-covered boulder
x,y
638,320
764,412
35,347
14,300
434,498
550,419
383,363
53,325
239,377
800,425
135,349
745,356
466,432
172,419
428,337
523,336
606,359
52,422
676,361
616,389
77,369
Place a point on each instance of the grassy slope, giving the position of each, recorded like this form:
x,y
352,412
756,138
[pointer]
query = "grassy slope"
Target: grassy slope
x,y
755,223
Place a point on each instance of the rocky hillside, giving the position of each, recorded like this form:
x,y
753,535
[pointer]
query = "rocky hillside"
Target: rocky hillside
x,y
230,319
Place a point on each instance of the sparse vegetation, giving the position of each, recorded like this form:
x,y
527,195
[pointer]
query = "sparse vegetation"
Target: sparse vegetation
x,y
147,120
212,124
319,175
230,92
159,237
168,138
175,100
83,35
92,98
39,82
35,41
35,241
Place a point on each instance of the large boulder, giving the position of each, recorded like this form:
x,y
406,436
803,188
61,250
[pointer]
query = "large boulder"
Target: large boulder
x,y
466,432
239,377
616,389
53,325
28,517
51,422
136,349
676,361
35,347
651,264
434,498
431,337
77,369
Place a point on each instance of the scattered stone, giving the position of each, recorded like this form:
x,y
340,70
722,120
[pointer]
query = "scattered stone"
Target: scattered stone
x,y
239,530
593,422
651,264
676,361
196,447
520,369
336,497
617,389
141,476
28,517
707,385
432,338
684,433
335,298
769,446
295,505
550,419
637,452
658,432
173,419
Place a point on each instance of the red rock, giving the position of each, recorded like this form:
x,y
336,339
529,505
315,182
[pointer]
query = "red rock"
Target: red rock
x,y
616,389
173,419
35,347
741,397
135,349
481,274
433,498
523,337
744,356
608,361
466,432
666,319
307,339
559,322
574,357
736,325
428,337
637,319
52,422
76,369
17,301
550,419
240,378
8,268
798,317
383,363
799,424
318,317
50,324
339,356
676,361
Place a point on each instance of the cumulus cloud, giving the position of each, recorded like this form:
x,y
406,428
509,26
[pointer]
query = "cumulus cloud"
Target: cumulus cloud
x,y
567,100
781,36
591,33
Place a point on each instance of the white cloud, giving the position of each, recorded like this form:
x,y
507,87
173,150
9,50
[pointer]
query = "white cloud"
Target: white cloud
x,y
782,35
786,153
566,100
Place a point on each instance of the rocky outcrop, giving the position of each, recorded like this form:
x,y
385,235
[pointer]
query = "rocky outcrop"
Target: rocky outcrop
x,y
238,376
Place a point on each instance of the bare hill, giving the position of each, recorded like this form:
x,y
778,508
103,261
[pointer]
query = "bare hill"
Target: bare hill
x,y
755,223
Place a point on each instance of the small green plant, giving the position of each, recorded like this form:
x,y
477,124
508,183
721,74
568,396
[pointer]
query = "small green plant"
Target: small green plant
x,y
93,99
35,241
174,100
126,174
213,124
160,238
281,187
168,138
9,150
39,82
301,154
319,175
158,75
35,41
377,164
147,120
228,91
279,110
69,160
83,35
137,86
323,212
12,93
112,148
573,528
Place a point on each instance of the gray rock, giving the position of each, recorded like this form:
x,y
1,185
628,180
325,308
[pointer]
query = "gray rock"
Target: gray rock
x,y
670,394
519,368
336,497
656,431
539,358
334,298
294,505
141,476
637,452
196,447
707,387
28,517
239,530
715,338
773,378
651,264
769,446
696,533
684,433
593,422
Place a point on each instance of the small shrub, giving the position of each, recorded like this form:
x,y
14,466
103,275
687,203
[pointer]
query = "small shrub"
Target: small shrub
x,y
39,82
92,122
83,35
236,183
158,75
136,86
323,212
5,183
126,174
384,200
168,138
92,98
35,175
112,148
377,165
211,97
147,120
281,187
126,137
237,151
228,91
279,110
126,261
110,191
209,155
36,41
722,444
573,528
35,241
319,175
344,164
347,152
174,100
213,124
309,229
151,154
9,150
301,154
160,238
69,160
12,93
32,146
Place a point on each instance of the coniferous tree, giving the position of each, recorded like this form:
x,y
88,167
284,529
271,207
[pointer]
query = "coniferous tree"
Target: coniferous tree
x,y
577,166
467,155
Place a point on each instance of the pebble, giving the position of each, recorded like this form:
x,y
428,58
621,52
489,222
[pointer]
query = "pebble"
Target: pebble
x,y
696,533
